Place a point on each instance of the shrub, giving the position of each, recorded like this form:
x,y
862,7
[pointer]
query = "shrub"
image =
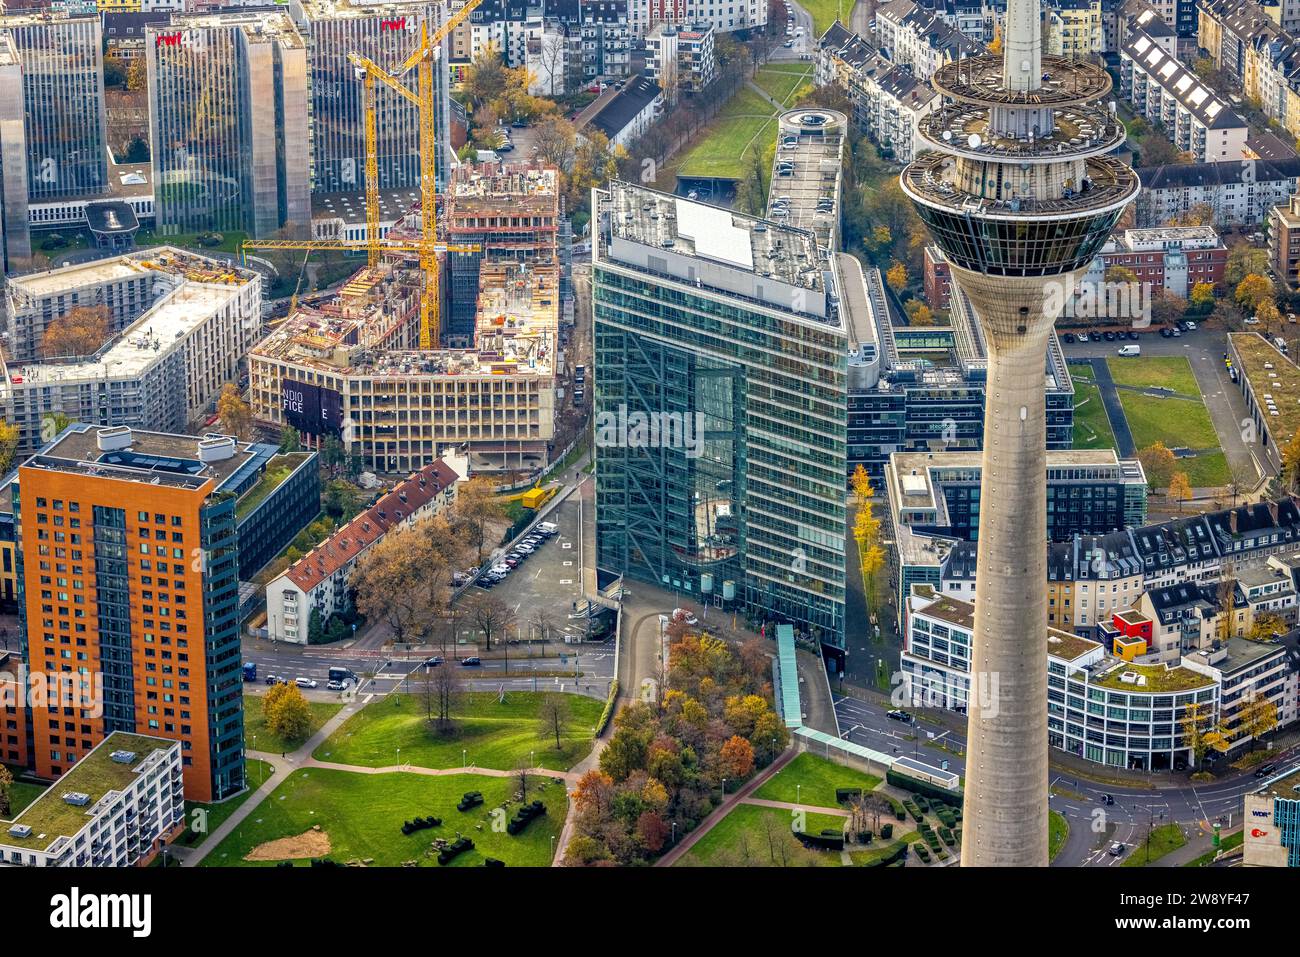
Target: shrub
x,y
844,795
469,800
886,831
896,853
525,816
609,708
460,846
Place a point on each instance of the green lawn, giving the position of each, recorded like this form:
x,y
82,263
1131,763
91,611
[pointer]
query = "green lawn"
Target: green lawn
x,y
812,780
362,815
747,103
826,12
256,771
1091,424
742,830
1151,372
1176,422
258,737
1164,839
1226,844
1058,829
490,734
722,153
22,793
782,85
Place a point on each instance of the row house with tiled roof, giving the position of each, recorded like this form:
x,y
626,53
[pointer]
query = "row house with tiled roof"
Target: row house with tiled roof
x,y
319,580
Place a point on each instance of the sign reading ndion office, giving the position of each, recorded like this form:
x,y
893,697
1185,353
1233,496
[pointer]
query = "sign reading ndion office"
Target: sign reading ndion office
x,y
311,408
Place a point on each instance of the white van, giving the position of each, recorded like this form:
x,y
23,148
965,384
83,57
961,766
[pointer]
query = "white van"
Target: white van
x,y
1130,350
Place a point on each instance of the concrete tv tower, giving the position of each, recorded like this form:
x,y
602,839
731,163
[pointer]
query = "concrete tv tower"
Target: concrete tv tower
x,y
1020,193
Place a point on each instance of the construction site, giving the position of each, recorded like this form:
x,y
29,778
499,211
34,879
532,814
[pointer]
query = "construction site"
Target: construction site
x,y
352,366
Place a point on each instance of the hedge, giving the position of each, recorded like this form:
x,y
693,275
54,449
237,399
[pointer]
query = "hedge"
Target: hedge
x,y
886,831
827,840
843,795
897,853
609,708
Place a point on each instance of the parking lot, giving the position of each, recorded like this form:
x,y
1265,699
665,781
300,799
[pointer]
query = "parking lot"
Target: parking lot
x,y
548,582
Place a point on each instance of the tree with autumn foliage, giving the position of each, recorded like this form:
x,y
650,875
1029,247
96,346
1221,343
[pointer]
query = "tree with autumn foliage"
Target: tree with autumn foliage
x,y
1253,290
1158,463
896,276
235,414
78,332
736,758
1180,489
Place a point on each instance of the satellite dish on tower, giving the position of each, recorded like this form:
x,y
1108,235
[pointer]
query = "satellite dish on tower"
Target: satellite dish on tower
x,y
973,141
947,134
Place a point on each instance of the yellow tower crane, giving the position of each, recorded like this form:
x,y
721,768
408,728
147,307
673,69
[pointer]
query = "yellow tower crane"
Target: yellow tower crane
x,y
421,59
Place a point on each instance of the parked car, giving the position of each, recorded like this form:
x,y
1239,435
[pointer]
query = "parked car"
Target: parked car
x,y
1108,336
1166,333
681,614
305,682
1133,336
903,716
1189,326
273,679
335,686
1083,337
547,528
471,662
433,662
1069,337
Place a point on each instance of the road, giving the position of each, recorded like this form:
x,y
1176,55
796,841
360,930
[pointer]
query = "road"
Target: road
x,y
1093,823
803,43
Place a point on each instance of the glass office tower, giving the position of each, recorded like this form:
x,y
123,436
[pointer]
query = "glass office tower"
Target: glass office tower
x,y
720,399
228,119
61,64
385,33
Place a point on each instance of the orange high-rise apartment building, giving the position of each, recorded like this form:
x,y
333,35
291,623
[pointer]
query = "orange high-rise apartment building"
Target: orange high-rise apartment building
x,y
128,560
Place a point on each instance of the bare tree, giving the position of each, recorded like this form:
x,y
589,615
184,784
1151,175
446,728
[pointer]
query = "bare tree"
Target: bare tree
x,y
543,623
446,689
491,615
555,715
521,777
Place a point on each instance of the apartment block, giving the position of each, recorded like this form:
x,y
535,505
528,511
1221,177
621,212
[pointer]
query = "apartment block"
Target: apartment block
x,y
180,324
129,562
680,59
1284,242
1194,117
1173,259
1239,192
917,38
1259,48
116,807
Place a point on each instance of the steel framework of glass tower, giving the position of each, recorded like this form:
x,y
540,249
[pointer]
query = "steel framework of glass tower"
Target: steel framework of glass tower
x,y
761,366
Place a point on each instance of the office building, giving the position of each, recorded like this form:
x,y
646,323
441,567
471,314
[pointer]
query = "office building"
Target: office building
x,y
385,33
1271,822
1098,707
229,124
726,330
1020,203
129,562
116,807
1089,492
52,121
922,388
179,324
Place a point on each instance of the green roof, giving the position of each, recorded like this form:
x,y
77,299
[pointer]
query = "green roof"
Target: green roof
x,y
50,817
1160,678
278,469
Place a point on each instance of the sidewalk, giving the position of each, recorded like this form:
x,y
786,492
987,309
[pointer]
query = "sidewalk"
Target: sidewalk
x,y
725,808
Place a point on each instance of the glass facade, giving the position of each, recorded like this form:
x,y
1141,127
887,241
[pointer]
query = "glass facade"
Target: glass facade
x,y
113,609
760,502
385,33
62,76
1023,247
222,660
228,117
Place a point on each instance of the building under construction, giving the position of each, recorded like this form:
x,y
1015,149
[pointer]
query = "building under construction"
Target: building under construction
x,y
512,213
351,367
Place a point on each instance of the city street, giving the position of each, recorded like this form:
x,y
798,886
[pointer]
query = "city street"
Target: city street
x,y
1093,823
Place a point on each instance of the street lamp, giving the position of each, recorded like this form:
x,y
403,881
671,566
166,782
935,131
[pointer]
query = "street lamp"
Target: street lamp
x,y
462,758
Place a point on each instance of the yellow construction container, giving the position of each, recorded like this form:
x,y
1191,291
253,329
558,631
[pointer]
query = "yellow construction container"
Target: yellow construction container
x,y
534,497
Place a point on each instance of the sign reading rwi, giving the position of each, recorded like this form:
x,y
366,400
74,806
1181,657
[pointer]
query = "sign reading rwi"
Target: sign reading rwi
x,y
396,23
168,40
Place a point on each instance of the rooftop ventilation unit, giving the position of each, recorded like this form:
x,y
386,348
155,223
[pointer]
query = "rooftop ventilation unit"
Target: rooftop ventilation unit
x,y
111,440
20,830
216,448
76,798
123,757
